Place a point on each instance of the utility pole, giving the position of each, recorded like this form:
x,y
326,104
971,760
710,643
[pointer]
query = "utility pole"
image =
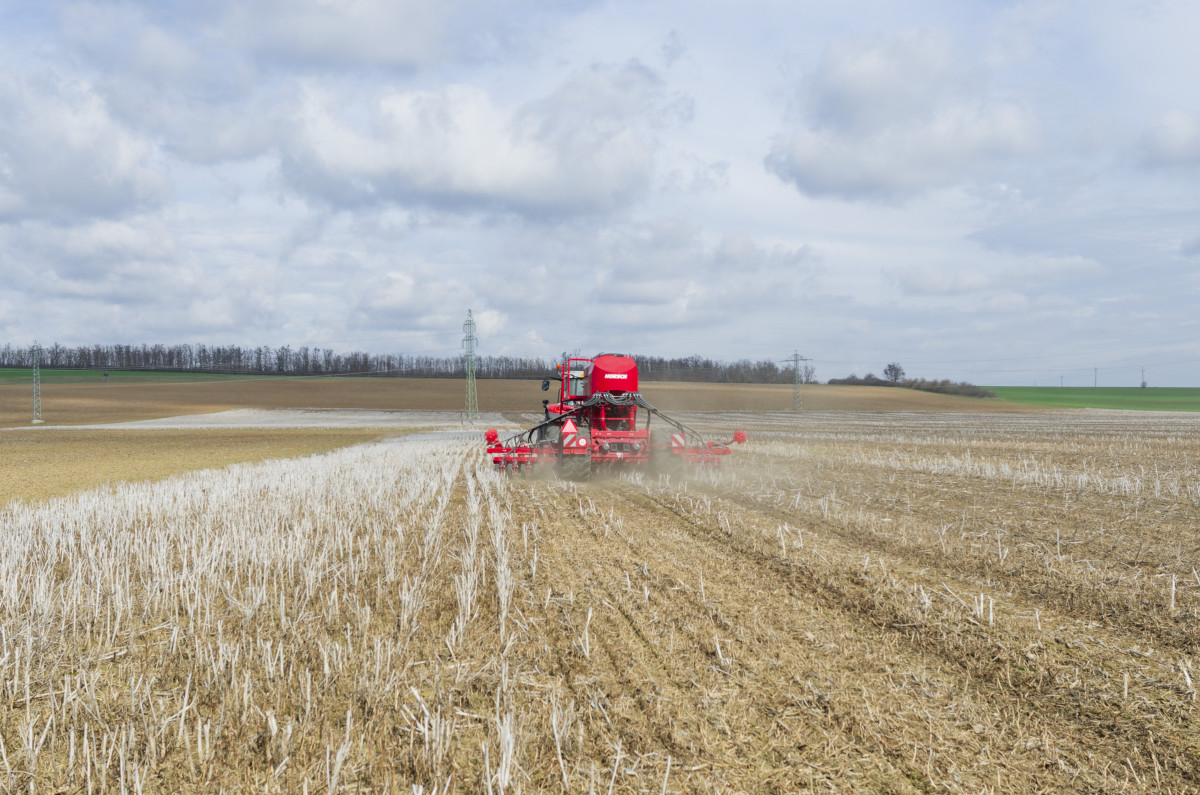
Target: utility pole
x,y
37,384
797,404
1095,376
468,342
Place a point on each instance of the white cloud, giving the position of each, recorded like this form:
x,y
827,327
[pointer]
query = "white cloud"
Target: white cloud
x,y
387,32
931,280
740,254
892,117
869,85
359,173
215,312
125,38
218,81
490,321
1064,267
1007,302
162,43
132,261
673,48
590,145
1172,140
185,77
665,275
395,292
420,295
63,156
89,248
998,279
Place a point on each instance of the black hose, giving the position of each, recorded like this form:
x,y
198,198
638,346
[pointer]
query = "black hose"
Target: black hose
x,y
620,400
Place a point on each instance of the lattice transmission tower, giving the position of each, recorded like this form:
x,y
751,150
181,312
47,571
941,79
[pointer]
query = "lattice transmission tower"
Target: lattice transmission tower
x,y
797,404
468,342
37,383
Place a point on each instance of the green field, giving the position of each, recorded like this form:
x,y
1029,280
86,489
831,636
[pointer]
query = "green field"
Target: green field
x,y
19,375
1133,398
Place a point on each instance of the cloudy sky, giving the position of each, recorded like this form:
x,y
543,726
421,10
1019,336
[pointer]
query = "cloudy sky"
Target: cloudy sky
x,y
997,192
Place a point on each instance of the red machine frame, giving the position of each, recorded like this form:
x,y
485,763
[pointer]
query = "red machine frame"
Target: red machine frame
x,y
598,423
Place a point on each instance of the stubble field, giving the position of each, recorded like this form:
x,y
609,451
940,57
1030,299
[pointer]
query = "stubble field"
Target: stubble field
x,y
862,601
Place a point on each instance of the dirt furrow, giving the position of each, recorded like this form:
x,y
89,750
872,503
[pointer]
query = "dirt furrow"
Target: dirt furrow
x,y
754,680
1056,684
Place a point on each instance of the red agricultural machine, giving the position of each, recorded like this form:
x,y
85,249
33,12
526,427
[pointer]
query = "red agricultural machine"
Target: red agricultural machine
x,y
601,421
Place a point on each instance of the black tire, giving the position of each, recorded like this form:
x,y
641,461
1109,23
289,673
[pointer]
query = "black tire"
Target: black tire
x,y
551,434
663,460
576,467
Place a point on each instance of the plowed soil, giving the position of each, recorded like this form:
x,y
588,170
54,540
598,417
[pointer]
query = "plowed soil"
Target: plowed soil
x,y
78,404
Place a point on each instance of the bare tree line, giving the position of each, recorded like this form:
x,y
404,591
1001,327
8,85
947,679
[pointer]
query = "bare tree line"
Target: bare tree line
x,y
312,361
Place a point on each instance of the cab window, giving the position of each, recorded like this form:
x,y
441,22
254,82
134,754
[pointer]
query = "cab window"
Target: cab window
x,y
577,374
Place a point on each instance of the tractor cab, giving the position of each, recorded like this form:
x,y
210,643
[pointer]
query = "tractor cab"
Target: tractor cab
x,y
575,386
576,379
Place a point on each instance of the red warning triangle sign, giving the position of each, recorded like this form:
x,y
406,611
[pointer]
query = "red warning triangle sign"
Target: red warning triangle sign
x,y
569,427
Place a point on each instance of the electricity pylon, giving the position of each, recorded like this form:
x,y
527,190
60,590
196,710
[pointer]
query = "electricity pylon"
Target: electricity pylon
x,y
37,383
468,342
796,359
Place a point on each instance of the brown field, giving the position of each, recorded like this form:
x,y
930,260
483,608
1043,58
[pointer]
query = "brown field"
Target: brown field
x,y
862,602
815,397
77,404
55,462
47,462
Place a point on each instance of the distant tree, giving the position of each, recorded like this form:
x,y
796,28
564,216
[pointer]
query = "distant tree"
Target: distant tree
x,y
305,360
894,372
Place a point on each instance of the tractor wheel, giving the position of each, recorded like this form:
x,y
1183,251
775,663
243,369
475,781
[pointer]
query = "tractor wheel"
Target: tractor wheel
x,y
549,442
551,434
576,467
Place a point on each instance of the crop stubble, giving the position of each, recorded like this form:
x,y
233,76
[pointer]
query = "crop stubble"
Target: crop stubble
x,y
862,602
